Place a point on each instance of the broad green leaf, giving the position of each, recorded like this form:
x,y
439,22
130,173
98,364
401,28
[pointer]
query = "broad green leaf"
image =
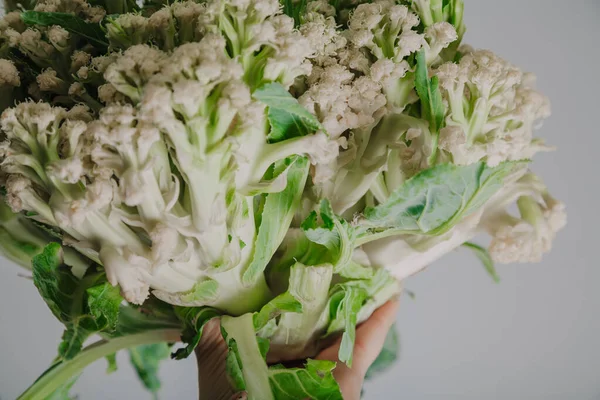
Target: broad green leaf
x,y
434,200
85,306
388,354
103,303
287,117
100,315
245,363
154,314
72,340
278,212
71,23
54,281
194,319
314,381
484,256
146,360
285,302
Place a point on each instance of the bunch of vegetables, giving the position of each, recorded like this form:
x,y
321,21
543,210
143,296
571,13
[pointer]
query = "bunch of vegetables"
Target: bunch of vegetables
x,y
280,166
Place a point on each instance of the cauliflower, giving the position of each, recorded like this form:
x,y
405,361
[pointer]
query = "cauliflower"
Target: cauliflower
x,y
280,167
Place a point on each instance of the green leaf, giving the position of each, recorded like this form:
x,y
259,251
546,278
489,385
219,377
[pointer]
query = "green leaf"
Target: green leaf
x,y
84,306
63,392
55,283
343,310
484,256
432,106
314,381
194,318
294,333
100,315
92,32
295,10
285,302
388,354
61,371
146,360
287,117
263,346
112,363
434,200
203,291
334,239
72,340
103,303
17,250
233,366
277,215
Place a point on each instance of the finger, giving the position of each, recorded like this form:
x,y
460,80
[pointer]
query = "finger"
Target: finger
x,y
330,353
370,336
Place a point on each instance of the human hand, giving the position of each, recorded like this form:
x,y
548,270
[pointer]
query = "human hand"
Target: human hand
x,y
370,337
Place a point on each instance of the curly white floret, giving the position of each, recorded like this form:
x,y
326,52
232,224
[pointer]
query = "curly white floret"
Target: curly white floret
x,y
342,102
381,23
80,8
48,81
132,70
492,110
438,36
519,243
9,75
322,34
527,238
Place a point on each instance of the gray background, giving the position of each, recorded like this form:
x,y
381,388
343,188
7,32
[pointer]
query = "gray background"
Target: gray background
x,y
534,336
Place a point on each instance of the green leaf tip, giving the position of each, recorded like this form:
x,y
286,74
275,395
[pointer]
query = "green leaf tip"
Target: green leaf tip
x,y
287,117
484,256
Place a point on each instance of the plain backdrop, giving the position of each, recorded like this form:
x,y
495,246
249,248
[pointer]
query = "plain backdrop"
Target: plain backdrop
x,y
533,336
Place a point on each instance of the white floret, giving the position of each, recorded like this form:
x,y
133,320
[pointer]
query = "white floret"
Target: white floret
x,y
31,43
439,36
48,81
9,75
373,24
79,8
322,7
519,243
59,37
133,69
127,272
491,110
527,238
80,59
340,102
323,37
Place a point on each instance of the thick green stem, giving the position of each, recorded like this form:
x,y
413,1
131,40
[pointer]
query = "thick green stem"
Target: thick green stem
x,y
255,371
59,373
